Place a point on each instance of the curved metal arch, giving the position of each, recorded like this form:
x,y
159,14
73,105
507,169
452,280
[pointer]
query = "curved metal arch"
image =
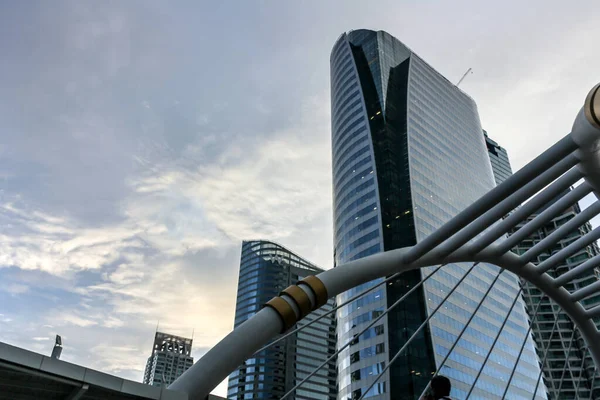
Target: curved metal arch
x,y
468,237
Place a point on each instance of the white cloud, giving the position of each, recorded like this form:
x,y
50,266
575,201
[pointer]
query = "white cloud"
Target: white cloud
x,y
37,241
5,319
169,297
255,190
275,190
15,288
116,359
70,318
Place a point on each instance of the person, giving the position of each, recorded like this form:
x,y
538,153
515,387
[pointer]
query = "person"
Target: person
x,y
439,388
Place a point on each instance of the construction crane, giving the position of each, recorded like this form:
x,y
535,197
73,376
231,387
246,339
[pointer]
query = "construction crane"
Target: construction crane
x,y
464,76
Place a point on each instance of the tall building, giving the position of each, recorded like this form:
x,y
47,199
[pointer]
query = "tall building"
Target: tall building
x,y
568,367
499,160
408,155
171,357
267,268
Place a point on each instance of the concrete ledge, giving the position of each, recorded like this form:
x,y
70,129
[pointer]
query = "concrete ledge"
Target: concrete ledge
x,y
29,364
62,369
21,357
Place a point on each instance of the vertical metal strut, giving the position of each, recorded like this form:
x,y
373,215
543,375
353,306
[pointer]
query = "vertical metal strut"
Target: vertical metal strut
x,y
533,318
545,357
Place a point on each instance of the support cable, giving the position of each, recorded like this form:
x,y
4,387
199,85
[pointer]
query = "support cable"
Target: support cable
x,y
545,357
399,352
510,310
355,336
356,297
593,381
568,355
463,330
579,377
533,319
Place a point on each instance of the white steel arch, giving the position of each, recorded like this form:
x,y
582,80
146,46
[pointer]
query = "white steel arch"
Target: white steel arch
x,y
471,236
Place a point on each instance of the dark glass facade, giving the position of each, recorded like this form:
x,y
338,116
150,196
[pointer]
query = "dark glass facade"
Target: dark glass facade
x,y
498,159
568,367
408,155
267,268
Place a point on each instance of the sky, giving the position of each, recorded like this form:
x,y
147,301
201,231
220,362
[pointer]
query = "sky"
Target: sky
x,y
142,141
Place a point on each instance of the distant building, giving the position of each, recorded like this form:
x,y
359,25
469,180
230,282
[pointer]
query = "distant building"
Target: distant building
x,y
267,268
498,159
170,358
564,374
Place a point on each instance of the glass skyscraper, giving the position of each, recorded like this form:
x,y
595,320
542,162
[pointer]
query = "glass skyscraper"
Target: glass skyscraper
x,y
267,268
408,155
498,159
568,366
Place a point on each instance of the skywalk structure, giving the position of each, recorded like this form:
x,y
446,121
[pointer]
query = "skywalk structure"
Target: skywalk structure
x,y
470,236
568,367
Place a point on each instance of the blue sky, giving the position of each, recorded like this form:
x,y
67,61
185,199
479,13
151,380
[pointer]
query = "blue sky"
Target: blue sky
x,y
141,141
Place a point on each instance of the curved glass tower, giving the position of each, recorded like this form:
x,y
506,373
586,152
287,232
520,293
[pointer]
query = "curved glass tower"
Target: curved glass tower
x,y
408,155
267,268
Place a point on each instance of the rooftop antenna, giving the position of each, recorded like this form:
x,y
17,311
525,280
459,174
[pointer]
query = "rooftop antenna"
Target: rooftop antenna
x,y
464,76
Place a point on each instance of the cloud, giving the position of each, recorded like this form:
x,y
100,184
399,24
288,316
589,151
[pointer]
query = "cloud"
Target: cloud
x,y
261,189
172,255
169,297
117,359
37,241
15,288
68,318
5,319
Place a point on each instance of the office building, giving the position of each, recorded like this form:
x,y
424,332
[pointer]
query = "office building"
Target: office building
x,y
170,358
499,159
408,155
267,268
568,367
